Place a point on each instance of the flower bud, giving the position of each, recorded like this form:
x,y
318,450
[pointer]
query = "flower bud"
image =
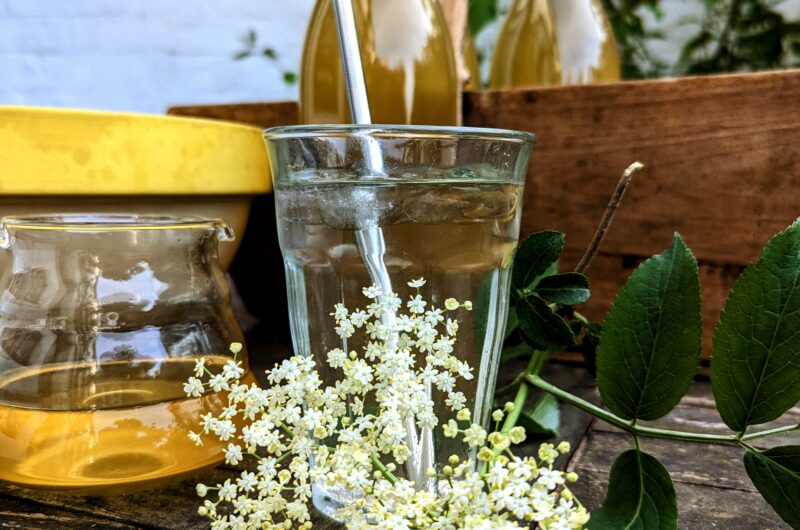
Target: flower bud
x,y
517,435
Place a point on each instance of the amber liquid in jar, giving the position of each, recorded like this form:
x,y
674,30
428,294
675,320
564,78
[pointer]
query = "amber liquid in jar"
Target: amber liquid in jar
x,y
409,66
73,427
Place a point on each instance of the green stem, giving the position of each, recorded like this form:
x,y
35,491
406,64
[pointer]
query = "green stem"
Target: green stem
x,y
534,367
379,466
630,426
770,432
580,317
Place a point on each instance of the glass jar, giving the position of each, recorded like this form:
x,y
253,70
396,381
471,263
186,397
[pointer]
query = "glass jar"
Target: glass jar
x,y
409,66
102,319
446,207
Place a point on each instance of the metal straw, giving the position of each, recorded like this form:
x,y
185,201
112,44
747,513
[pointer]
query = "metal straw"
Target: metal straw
x,y
369,235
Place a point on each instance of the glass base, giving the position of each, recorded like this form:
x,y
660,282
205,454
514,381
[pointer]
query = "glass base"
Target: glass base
x,y
328,501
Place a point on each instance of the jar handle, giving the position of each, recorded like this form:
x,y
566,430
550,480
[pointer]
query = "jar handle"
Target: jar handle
x,y
222,228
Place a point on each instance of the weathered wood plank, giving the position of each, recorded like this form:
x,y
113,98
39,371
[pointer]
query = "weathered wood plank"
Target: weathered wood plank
x,y
720,153
172,508
15,513
712,487
700,507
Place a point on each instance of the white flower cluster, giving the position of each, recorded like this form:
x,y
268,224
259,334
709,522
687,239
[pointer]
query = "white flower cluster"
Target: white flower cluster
x,y
358,431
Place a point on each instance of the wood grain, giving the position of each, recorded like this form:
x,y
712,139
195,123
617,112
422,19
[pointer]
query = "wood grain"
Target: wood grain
x,y
720,152
721,167
15,513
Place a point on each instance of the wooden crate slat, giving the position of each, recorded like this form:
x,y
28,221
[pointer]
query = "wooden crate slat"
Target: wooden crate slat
x,y
721,155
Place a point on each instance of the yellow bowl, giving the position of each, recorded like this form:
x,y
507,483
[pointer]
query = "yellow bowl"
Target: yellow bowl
x,y
56,160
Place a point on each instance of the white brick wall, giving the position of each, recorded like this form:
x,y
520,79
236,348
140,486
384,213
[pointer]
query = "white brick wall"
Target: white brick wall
x,y
144,55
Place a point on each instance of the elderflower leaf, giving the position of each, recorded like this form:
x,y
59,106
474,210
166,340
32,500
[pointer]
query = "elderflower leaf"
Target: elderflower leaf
x,y
640,495
542,328
567,288
534,257
544,419
776,475
755,372
649,350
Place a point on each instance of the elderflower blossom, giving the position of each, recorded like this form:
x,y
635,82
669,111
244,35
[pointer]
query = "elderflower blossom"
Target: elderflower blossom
x,y
360,429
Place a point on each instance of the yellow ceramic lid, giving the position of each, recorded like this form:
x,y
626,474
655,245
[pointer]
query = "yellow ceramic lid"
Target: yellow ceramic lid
x,y
78,152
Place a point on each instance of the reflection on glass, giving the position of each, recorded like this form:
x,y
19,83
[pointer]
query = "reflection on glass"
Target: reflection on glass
x,y
101,323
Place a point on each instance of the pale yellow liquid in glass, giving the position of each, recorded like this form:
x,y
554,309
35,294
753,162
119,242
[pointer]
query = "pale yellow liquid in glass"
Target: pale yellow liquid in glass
x,y
405,88
90,440
527,53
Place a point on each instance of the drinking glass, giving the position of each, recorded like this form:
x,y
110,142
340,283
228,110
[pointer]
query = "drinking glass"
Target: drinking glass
x,y
362,205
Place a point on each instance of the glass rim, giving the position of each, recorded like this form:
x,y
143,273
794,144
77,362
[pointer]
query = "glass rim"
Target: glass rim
x,y
111,222
288,132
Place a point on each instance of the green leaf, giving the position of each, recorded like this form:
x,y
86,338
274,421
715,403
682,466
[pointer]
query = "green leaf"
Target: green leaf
x,y
776,475
290,78
640,496
481,12
270,53
538,252
244,54
544,419
755,371
567,288
649,350
543,329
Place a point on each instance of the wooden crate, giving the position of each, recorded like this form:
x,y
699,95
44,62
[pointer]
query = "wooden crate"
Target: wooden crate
x,y
722,157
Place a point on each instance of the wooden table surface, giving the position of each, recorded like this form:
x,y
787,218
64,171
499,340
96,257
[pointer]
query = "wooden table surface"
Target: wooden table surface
x,y
713,490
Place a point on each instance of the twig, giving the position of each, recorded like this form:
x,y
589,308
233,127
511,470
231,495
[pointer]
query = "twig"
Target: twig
x,y
608,216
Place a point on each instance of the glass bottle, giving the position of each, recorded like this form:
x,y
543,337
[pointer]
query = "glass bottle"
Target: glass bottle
x,y
586,42
471,60
526,53
408,59
102,321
